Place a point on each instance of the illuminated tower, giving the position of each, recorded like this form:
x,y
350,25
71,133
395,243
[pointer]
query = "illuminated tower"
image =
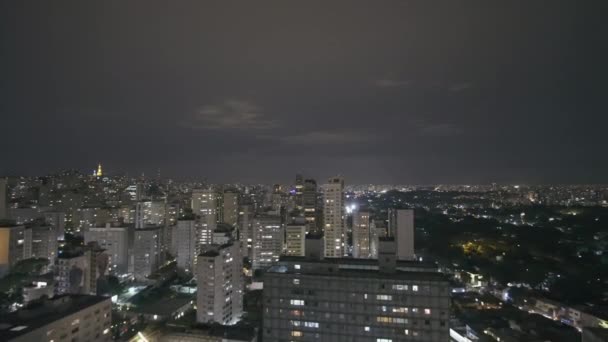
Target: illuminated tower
x,y
99,172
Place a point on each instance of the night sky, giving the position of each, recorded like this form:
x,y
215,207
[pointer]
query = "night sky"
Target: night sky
x,y
255,91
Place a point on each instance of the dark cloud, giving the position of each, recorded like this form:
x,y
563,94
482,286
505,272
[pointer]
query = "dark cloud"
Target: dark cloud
x,y
389,91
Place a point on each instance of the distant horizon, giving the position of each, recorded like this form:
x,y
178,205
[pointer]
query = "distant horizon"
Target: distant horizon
x,y
317,179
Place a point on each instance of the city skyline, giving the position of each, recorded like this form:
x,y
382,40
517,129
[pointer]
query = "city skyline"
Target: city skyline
x,y
404,93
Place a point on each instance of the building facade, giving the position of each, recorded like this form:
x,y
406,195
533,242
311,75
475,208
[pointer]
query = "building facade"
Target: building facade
x,y
347,301
333,218
115,240
185,238
267,241
295,237
220,285
12,243
146,252
401,228
361,234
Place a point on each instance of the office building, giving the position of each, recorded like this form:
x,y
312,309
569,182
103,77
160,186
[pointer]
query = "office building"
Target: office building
x,y
309,204
11,247
146,252
333,218
184,236
295,237
351,300
40,242
230,208
267,240
361,234
219,285
401,228
63,318
115,240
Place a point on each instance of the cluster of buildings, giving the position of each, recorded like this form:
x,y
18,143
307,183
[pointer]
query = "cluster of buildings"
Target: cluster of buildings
x,y
330,268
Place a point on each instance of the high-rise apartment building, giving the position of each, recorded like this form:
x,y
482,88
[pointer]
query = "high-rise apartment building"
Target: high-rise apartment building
x,y
146,252
115,240
309,204
351,300
77,273
401,228
230,209
333,218
185,240
40,242
63,318
361,234
12,243
219,285
267,240
295,237
204,206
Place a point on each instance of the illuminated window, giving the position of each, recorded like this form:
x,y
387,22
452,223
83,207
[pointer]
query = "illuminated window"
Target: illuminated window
x,y
384,297
296,333
384,319
296,312
297,267
400,320
400,310
415,288
296,281
295,323
427,311
415,310
384,340
399,287
366,328
406,331
297,302
311,324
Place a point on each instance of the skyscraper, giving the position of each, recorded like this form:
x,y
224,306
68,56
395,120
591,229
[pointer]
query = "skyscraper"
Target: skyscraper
x,y
333,218
267,240
219,285
401,228
361,234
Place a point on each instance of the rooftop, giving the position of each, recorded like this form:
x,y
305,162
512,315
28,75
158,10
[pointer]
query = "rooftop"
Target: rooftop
x,y
40,314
